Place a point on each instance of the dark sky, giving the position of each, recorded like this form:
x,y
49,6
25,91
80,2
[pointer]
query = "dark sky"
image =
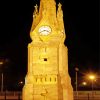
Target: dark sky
x,y
82,32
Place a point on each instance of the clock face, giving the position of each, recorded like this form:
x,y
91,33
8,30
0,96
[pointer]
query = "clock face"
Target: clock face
x,y
44,30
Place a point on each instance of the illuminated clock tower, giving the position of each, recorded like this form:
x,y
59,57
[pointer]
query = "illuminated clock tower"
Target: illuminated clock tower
x,y
47,76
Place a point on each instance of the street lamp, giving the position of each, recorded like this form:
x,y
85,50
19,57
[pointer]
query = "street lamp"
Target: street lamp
x,y
1,63
92,78
84,83
20,84
76,69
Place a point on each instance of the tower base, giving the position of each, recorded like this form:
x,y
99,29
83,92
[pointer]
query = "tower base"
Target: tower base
x,y
51,90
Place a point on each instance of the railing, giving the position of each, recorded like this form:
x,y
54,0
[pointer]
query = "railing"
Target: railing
x,y
81,95
87,95
7,95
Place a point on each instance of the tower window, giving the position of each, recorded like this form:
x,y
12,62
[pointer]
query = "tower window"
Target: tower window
x,y
45,59
36,79
55,79
45,79
50,79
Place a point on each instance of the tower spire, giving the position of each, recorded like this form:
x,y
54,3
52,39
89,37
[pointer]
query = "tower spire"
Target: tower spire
x,y
47,15
47,10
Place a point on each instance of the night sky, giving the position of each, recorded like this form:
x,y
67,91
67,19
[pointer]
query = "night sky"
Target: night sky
x,y
82,36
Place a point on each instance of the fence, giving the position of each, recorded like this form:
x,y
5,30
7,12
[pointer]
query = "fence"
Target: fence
x,y
87,95
10,95
81,95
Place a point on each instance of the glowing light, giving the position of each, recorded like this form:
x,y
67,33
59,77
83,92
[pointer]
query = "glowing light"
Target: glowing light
x,y
84,83
76,69
1,63
21,82
92,77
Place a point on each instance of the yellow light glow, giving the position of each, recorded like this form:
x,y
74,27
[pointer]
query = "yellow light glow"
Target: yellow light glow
x,y
84,83
1,63
21,82
76,69
92,77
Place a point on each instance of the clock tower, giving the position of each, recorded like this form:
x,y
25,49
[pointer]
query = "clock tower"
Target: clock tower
x,y
47,76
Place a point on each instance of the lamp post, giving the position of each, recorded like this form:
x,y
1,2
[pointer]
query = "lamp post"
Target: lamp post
x,y
92,78
1,63
2,82
76,69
